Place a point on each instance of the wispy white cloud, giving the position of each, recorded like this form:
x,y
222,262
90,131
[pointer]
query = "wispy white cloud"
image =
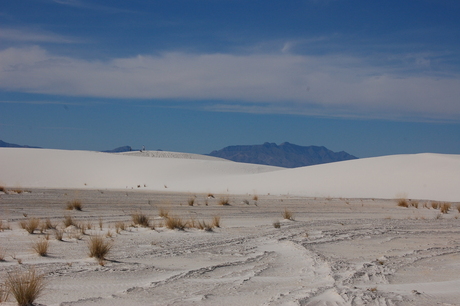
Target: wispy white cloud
x,y
33,36
317,85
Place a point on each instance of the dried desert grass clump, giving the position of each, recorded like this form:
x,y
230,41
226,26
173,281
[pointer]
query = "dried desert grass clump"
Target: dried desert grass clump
x,y
175,223
41,247
30,225
216,221
288,215
444,207
26,286
191,201
140,219
99,248
68,221
4,293
163,213
277,224
74,204
224,201
403,203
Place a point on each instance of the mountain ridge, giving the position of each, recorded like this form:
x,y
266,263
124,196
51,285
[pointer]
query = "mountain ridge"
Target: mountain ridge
x,y
284,155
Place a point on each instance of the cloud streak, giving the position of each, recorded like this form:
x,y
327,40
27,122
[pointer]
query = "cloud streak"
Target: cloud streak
x,y
318,85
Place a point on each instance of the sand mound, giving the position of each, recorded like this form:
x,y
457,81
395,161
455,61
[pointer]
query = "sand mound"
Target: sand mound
x,y
419,176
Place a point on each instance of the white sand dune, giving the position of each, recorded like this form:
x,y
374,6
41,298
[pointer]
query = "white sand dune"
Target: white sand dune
x,y
417,176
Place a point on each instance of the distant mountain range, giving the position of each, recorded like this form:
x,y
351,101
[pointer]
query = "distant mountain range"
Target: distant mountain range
x,y
284,155
12,145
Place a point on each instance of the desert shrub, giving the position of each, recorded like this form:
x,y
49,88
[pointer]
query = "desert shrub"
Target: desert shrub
x,y
458,207
49,225
435,205
164,213
287,214
276,224
210,195
120,226
2,189
2,255
26,286
98,247
17,190
444,207
224,201
74,204
403,203
140,219
191,201
175,223
4,294
68,221
255,198
202,225
41,247
414,203
216,221
58,234
30,225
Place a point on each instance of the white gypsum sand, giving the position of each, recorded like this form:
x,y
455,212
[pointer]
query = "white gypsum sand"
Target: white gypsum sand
x,y
419,176
336,251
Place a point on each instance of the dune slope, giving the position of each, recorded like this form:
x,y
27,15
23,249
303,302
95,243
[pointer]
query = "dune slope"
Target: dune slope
x,y
418,176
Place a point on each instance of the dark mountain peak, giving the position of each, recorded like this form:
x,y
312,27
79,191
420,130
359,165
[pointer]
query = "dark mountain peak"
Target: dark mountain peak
x,y
284,155
13,145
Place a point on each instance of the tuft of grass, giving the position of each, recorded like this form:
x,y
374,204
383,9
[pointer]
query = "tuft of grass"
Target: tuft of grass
x,y
458,207
4,293
100,223
98,247
224,201
277,224
68,221
2,189
175,223
74,204
191,201
444,207
49,225
41,247
120,226
140,219
414,203
164,213
26,286
403,203
58,234
30,225
288,215
255,198
2,255
216,221
435,205
202,225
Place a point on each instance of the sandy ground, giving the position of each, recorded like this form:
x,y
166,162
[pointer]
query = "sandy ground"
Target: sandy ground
x,y
335,252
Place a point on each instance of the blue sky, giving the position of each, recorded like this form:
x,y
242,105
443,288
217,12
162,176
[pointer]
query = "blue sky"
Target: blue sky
x,y
368,77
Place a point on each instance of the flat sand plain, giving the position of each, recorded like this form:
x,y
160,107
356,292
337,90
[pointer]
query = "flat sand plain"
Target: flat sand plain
x,y
334,252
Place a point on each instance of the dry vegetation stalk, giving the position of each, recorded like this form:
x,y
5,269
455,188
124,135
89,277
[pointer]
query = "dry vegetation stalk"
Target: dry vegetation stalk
x,y
26,286
403,203
140,219
30,225
224,201
175,223
287,214
216,221
41,247
98,247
